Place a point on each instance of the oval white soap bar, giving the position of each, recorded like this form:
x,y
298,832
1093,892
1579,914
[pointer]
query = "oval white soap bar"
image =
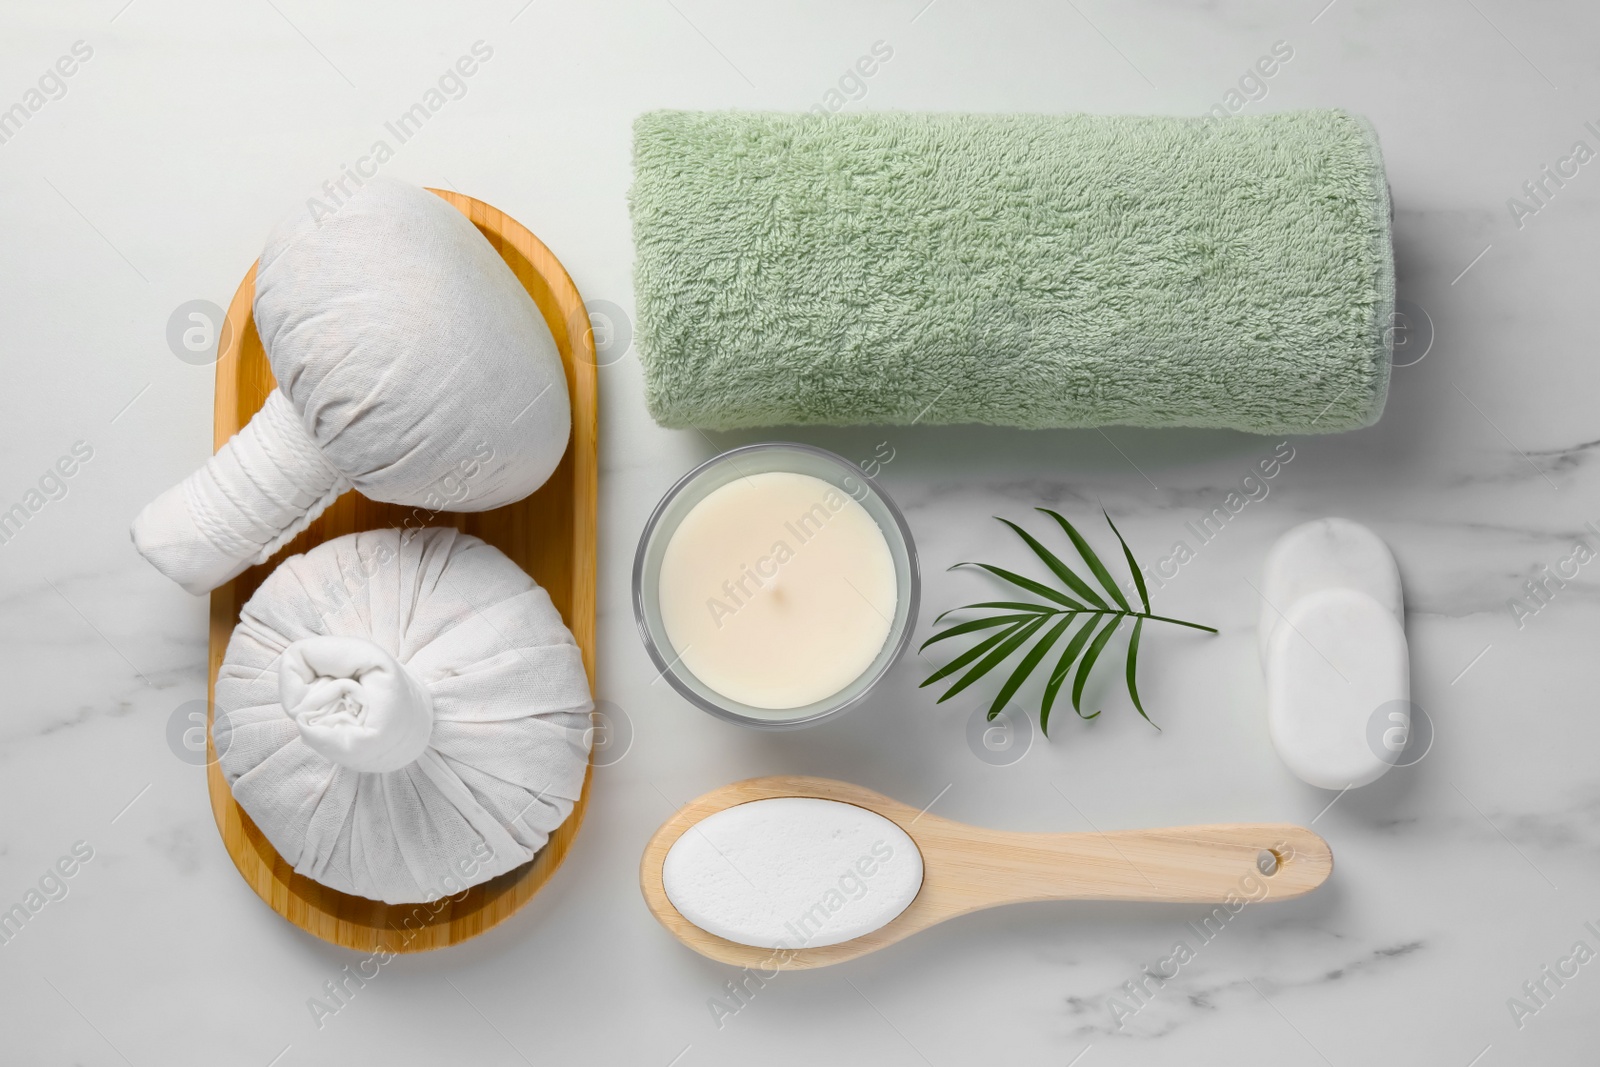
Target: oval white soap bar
x,y
1336,658
792,872
1327,554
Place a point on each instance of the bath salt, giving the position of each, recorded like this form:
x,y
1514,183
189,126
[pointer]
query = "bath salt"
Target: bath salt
x,y
792,872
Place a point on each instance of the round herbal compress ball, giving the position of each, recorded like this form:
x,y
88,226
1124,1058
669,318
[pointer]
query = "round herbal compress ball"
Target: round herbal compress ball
x,y
403,714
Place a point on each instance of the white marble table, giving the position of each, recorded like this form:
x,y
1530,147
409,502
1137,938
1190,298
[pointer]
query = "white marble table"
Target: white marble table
x,y
151,181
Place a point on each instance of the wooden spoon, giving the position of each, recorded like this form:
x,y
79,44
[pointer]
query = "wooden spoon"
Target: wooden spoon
x,y
968,868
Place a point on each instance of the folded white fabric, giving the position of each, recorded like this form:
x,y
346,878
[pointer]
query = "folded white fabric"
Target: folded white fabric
x,y
411,365
354,705
403,714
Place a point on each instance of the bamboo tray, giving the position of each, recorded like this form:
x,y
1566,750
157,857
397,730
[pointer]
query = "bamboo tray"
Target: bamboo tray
x,y
551,535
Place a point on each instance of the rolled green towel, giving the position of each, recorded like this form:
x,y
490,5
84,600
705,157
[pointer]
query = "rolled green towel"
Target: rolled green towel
x,y
1023,270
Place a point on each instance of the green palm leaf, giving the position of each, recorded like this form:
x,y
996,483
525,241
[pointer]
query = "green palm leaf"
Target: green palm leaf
x,y
1009,605
1014,623
1133,564
985,623
1036,588
1029,662
1069,656
996,656
970,654
1091,559
1061,570
1133,667
1087,663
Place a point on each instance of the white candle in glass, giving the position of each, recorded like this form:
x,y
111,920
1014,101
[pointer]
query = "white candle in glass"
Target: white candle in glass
x,y
777,590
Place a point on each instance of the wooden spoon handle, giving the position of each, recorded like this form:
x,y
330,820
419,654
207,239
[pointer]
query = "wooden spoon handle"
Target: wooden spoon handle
x,y
972,868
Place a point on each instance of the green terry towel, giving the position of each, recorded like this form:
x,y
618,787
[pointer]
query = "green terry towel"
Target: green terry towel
x,y
1023,270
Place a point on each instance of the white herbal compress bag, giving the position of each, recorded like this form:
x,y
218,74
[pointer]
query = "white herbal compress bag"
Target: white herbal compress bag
x,y
403,714
411,365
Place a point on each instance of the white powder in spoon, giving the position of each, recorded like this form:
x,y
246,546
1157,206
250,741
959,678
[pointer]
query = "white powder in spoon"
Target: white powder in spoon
x,y
792,872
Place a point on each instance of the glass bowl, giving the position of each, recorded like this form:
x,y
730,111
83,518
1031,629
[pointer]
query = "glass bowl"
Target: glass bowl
x,y
713,474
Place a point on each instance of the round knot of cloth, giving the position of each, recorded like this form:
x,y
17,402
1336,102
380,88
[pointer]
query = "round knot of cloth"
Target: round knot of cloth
x,y
403,714
354,704
411,365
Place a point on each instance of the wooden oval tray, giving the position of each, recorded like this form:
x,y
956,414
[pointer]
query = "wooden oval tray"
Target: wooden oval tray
x,y
551,535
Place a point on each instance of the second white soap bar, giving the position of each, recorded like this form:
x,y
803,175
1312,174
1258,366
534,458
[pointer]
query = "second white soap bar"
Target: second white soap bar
x,y
1335,664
